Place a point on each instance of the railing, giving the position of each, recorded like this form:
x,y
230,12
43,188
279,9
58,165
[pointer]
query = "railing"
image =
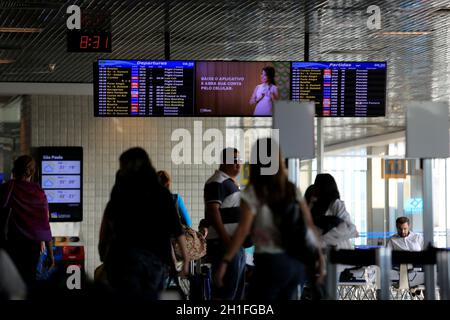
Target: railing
x,y
384,258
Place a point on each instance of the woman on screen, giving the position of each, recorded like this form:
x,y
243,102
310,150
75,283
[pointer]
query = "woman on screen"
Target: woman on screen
x,y
265,93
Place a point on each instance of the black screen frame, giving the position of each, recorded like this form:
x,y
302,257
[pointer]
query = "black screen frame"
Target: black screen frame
x,y
72,151
199,115
193,115
339,117
95,84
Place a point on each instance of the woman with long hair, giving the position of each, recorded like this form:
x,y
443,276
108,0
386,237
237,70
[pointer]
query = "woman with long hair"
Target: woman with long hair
x,y
166,181
265,93
28,227
139,221
276,274
330,215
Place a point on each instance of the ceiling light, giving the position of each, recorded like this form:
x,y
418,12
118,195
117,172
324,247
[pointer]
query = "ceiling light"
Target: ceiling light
x,y
349,51
20,30
6,61
405,33
29,5
442,10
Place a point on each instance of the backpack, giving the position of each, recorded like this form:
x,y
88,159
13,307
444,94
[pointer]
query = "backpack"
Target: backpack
x,y
195,244
294,238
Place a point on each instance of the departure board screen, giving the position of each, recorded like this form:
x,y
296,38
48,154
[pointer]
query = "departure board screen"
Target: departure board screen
x,y
143,88
341,89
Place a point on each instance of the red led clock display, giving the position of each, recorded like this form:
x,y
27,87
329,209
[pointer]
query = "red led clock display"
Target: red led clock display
x,y
82,41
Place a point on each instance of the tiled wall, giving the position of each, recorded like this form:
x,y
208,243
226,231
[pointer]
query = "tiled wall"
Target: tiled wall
x,y
69,121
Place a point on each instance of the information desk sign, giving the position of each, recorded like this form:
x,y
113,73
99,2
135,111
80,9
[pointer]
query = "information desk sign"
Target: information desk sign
x,y
393,169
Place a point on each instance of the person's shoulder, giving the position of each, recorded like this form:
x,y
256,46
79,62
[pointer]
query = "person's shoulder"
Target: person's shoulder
x,y
37,186
338,204
394,237
415,235
164,193
298,193
31,186
248,193
217,177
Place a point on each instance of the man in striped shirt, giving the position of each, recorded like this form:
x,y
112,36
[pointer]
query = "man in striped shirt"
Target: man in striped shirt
x,y
222,211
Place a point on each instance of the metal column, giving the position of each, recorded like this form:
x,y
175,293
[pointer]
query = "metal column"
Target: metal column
x,y
320,146
385,263
331,279
443,267
428,230
294,171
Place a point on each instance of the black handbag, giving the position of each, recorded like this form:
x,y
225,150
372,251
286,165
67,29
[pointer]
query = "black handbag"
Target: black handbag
x,y
5,215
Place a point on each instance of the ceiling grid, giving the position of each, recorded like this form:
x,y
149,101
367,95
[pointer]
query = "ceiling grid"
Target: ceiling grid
x,y
418,63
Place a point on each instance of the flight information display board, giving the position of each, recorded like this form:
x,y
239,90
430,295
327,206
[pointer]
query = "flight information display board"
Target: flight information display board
x,y
61,177
341,89
143,88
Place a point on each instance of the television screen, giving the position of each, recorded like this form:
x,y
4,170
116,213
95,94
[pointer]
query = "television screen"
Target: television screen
x,y
61,177
143,88
240,88
341,89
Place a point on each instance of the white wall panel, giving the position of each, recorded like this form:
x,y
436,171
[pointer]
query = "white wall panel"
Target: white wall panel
x,y
69,121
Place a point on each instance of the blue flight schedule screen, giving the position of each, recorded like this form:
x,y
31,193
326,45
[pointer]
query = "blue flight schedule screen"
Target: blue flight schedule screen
x,y
144,88
341,89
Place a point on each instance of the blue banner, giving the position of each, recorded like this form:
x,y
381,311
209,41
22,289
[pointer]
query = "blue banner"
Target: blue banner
x,y
340,65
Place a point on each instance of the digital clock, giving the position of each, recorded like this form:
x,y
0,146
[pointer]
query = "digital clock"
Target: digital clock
x,y
88,41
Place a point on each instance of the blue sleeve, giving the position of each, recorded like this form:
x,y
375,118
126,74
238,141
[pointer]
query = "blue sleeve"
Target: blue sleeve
x,y
183,211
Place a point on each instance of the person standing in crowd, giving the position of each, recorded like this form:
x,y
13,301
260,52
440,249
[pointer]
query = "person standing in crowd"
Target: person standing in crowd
x,y
165,180
203,227
276,274
28,226
222,212
138,223
330,215
405,239
310,196
265,93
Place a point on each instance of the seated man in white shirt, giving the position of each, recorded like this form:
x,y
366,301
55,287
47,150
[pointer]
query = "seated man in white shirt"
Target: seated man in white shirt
x,y
405,240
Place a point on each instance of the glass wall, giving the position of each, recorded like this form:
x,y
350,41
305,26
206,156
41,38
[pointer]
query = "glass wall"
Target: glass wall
x,y
441,178
373,202
350,173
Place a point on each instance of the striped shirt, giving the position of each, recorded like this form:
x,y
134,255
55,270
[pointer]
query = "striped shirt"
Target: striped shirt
x,y
222,189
